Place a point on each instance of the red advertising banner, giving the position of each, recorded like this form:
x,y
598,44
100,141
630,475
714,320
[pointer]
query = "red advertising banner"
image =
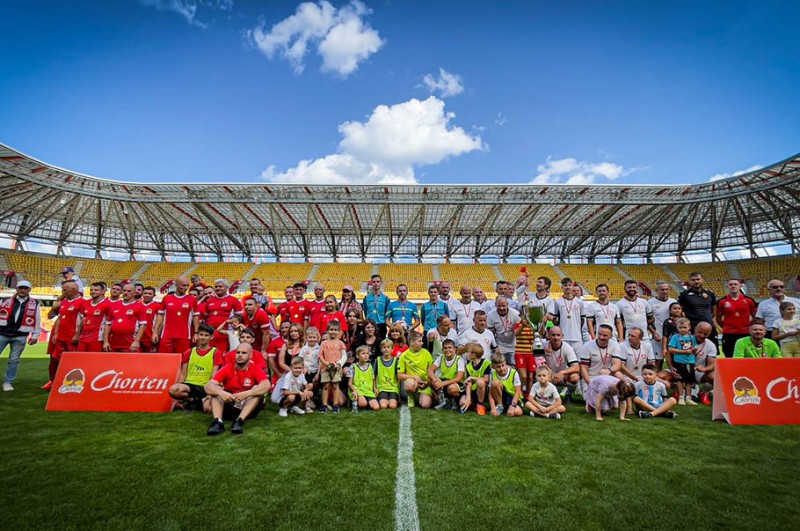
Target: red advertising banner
x,y
757,391
107,381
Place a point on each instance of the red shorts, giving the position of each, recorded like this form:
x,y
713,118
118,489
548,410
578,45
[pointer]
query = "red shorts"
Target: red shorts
x,y
146,346
174,345
90,346
59,347
525,361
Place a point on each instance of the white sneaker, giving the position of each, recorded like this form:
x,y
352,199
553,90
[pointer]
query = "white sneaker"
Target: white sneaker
x,y
282,412
297,411
309,409
690,402
8,387
682,401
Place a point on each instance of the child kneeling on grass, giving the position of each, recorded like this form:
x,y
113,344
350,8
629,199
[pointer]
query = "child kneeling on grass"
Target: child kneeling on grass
x,y
605,393
505,389
478,372
292,392
386,381
544,400
413,371
445,376
363,391
651,396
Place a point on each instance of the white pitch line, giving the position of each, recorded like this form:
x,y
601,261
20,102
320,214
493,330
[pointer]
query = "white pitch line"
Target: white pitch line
x,y
406,515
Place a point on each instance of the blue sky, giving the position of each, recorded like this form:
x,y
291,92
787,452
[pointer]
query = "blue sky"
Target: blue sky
x,y
516,92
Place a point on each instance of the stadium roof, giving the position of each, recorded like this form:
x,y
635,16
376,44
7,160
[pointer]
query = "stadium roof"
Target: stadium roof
x,y
43,202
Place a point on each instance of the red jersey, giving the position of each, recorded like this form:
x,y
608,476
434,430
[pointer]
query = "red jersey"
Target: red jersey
x,y
125,319
68,314
218,361
260,324
178,313
283,311
257,359
315,309
275,347
737,315
150,312
298,311
268,306
235,381
219,309
325,318
93,316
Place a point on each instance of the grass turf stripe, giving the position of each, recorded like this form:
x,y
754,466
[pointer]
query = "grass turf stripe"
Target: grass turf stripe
x,y
406,515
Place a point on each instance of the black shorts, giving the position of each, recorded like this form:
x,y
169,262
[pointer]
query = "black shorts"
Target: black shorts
x,y
282,401
231,412
473,398
729,343
196,392
386,395
685,371
507,399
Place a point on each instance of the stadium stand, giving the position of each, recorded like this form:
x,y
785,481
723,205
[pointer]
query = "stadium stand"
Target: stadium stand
x,y
471,274
715,274
41,271
158,273
230,271
276,276
107,270
590,275
511,272
416,276
650,274
337,275
760,272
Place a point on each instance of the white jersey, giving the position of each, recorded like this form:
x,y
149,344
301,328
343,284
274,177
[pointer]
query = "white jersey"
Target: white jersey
x,y
463,314
596,358
636,358
607,314
660,314
545,396
435,340
570,314
634,315
503,327
546,301
561,359
708,350
484,339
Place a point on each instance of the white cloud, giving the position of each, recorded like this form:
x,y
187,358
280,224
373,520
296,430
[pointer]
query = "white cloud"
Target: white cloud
x,y
188,8
447,84
341,36
386,148
501,120
720,176
572,171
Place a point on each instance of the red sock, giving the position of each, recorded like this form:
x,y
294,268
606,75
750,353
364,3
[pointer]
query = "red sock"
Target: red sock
x,y
53,368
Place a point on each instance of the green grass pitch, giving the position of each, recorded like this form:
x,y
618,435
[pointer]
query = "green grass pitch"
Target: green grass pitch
x,y
161,471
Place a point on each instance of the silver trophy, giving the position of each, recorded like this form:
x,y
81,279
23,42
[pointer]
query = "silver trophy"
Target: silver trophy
x,y
535,312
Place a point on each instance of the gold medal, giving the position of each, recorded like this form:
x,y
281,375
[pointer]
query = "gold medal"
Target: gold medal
x,y
736,314
179,313
119,320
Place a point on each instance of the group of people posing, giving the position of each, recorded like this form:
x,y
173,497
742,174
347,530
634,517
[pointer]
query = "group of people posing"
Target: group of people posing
x,y
465,354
